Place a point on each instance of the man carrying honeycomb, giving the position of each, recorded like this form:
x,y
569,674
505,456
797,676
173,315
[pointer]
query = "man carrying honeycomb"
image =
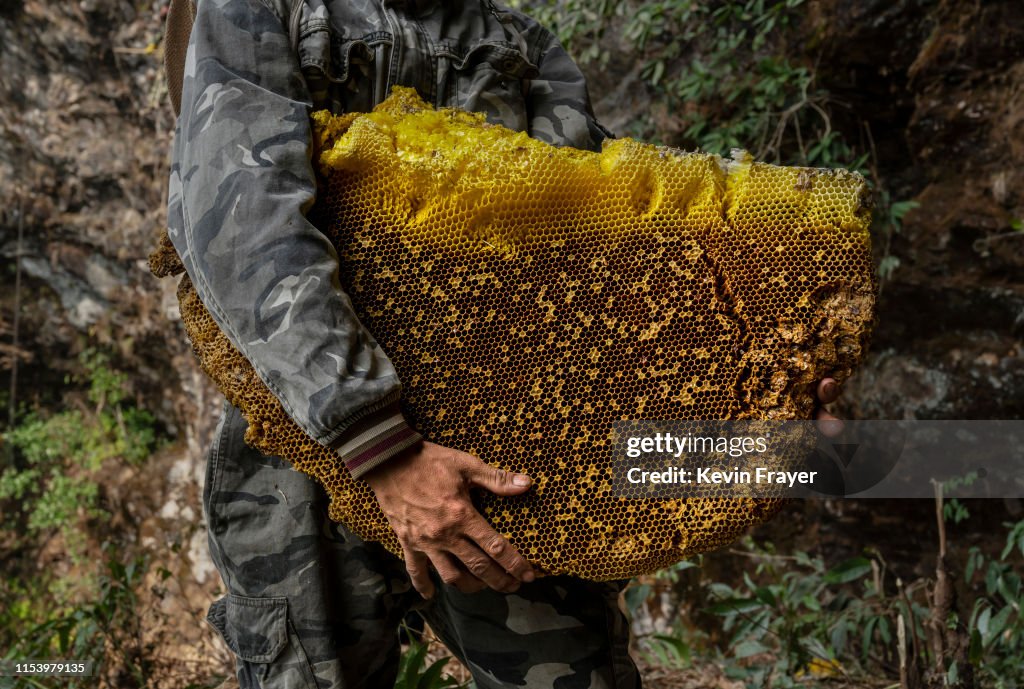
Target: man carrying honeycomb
x,y
309,603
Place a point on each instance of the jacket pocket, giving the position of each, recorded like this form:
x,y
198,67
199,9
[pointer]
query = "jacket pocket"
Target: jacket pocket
x,y
255,629
359,70
491,78
259,633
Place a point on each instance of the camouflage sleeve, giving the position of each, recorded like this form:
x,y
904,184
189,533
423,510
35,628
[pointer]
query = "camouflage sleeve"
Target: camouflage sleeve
x,y
241,182
559,104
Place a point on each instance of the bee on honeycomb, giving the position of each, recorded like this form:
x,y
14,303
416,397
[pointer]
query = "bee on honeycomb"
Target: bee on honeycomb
x,y
530,297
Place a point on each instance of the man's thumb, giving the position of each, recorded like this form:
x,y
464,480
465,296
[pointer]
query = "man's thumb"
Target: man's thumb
x,y
498,480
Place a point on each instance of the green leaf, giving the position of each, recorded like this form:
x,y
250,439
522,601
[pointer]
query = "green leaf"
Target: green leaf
x,y
731,605
866,636
888,265
658,72
748,648
636,596
838,637
811,603
403,682
850,570
900,208
765,595
1014,540
975,649
431,678
998,624
884,631
983,621
1009,588
992,578
974,562
417,657
680,650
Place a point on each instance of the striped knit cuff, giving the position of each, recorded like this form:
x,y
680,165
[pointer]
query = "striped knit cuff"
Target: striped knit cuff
x,y
374,439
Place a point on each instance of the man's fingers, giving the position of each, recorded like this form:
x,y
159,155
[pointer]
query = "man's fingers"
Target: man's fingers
x,y
500,550
496,480
828,390
453,575
483,567
830,426
418,567
500,559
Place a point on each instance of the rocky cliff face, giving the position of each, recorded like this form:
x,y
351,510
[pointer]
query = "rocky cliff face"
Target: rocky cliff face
x,y
84,134
941,87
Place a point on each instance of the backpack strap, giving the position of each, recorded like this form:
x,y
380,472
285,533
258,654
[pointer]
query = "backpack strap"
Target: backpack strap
x,y
180,16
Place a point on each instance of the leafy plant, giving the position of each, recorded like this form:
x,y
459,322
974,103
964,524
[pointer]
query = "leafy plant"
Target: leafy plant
x,y
53,482
792,618
888,223
52,486
106,630
806,620
721,70
414,673
728,76
996,622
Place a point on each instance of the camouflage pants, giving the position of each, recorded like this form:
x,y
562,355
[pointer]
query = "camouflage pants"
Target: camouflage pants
x,y
310,604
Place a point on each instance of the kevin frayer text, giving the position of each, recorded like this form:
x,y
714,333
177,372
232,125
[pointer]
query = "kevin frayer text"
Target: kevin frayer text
x,y
711,476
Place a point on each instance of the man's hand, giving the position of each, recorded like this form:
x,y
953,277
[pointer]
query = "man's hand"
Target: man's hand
x,y
424,493
827,392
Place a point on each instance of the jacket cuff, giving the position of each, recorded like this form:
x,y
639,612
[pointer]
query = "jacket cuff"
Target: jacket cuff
x,y
374,439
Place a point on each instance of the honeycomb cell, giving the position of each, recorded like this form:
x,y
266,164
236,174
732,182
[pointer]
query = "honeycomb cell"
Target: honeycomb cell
x,y
531,296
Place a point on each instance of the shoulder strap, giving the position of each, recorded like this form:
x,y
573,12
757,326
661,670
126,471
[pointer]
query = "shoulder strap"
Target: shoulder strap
x,y
181,14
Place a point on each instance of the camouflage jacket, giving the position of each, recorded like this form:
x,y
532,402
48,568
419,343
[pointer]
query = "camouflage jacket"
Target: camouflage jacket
x,y
241,178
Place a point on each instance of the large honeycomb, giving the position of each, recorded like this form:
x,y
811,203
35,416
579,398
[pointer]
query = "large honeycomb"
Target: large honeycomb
x,y
530,296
